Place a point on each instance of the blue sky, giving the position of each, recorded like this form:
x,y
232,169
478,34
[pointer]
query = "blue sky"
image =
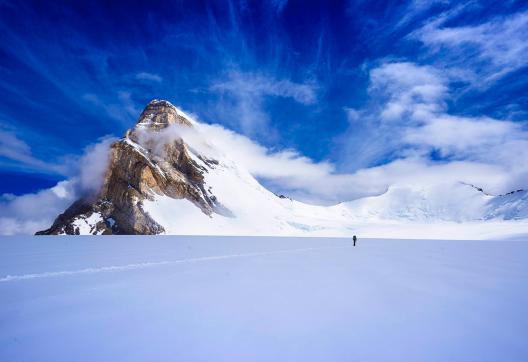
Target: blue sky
x,y
373,88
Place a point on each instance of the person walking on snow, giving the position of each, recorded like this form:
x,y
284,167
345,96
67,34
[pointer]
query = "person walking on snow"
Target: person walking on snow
x,y
354,239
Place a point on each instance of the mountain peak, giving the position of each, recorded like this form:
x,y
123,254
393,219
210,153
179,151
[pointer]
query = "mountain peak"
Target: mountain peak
x,y
159,114
142,166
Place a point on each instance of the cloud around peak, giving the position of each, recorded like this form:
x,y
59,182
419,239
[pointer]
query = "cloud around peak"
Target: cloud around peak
x,y
29,213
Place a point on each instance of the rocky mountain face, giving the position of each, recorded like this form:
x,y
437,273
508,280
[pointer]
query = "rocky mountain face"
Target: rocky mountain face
x,y
139,169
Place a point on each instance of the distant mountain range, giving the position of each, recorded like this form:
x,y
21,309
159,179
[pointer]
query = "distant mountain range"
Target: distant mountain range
x,y
166,177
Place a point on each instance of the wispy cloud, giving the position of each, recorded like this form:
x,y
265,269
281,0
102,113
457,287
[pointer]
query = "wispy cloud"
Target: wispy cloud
x,y
492,49
121,107
401,95
416,8
258,85
152,77
32,212
90,176
408,119
411,91
15,149
288,171
244,95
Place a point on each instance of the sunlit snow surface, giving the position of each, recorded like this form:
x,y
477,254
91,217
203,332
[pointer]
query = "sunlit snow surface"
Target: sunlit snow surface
x,y
262,299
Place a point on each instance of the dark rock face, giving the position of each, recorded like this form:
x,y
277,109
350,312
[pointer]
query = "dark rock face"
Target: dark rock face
x,y
281,196
141,166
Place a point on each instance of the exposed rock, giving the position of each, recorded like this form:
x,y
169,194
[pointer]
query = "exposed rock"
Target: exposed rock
x,y
281,196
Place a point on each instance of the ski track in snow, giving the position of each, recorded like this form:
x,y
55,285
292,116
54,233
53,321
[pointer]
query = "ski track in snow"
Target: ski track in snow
x,y
114,268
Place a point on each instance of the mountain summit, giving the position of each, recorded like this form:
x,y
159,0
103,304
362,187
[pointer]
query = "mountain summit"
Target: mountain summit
x,y
159,114
166,177
141,168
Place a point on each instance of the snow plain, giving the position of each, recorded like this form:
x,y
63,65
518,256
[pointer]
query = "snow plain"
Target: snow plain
x,y
193,298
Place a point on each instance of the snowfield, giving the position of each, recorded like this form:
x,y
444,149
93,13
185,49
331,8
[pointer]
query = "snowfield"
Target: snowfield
x,y
193,298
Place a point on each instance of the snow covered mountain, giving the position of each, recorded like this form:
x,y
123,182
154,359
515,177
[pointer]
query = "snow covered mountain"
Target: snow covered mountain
x,y
166,177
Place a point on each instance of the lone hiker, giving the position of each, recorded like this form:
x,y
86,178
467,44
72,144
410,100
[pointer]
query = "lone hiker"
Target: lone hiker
x,y
355,239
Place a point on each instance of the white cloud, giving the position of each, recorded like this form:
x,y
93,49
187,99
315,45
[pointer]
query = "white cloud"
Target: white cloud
x,y
243,96
492,49
13,148
415,99
415,9
286,171
320,182
353,115
27,214
30,213
259,160
287,167
291,173
402,94
408,119
151,77
410,90
464,137
93,165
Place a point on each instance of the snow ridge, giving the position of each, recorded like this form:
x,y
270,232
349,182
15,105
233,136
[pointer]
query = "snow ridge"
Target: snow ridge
x,y
120,268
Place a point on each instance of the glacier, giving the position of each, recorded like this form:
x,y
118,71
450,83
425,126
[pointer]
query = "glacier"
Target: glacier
x,y
197,298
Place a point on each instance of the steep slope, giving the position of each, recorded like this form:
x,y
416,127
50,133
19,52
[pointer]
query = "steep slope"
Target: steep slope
x,y
165,176
139,169
510,206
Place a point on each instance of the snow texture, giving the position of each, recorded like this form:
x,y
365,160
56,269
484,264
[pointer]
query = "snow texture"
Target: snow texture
x,y
262,299
86,226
